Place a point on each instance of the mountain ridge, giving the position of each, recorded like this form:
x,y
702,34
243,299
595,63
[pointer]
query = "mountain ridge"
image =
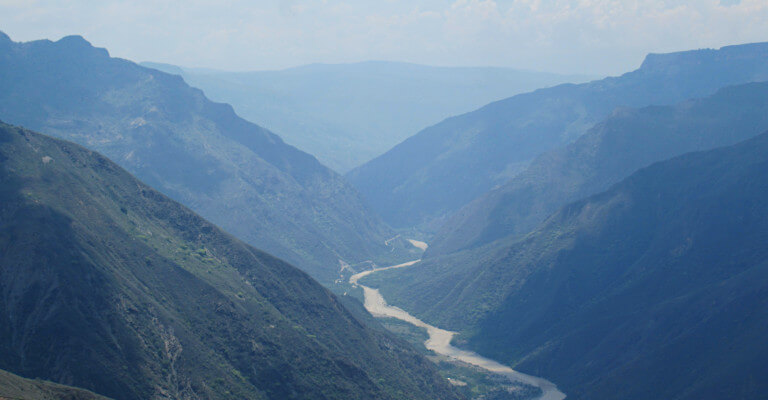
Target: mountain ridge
x,y
614,148
346,114
110,285
442,168
233,172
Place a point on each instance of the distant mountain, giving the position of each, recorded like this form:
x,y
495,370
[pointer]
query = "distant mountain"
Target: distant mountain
x,y
655,289
15,387
609,152
108,285
347,114
237,174
446,166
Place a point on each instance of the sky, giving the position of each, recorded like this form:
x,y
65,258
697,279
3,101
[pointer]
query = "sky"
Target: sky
x,y
596,37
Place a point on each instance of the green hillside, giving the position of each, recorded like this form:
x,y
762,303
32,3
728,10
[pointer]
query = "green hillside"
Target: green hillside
x,y
14,387
108,285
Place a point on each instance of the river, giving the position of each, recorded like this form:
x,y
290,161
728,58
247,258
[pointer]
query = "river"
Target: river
x,y
439,340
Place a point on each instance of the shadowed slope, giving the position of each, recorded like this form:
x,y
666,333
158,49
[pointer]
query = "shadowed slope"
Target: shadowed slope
x,y
609,152
656,288
443,167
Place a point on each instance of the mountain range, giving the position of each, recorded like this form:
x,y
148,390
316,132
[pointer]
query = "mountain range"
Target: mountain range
x,y
347,114
235,173
108,285
625,142
608,236
442,168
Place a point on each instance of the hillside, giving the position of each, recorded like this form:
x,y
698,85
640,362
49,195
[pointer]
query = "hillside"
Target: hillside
x,y
14,387
232,172
108,285
656,288
347,114
609,152
445,166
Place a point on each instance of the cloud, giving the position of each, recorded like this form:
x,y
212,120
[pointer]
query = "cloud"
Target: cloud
x,y
601,36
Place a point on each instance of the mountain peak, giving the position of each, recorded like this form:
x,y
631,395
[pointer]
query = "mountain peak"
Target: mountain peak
x,y
77,43
5,41
74,40
660,61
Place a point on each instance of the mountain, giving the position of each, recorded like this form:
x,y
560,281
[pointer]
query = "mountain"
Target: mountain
x,y
609,152
108,285
445,166
656,288
15,387
237,174
347,114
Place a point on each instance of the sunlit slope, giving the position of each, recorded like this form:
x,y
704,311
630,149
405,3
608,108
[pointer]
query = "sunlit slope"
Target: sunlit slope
x,y
14,387
232,172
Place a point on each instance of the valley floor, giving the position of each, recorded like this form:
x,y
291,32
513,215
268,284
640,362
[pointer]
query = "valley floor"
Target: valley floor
x,y
439,340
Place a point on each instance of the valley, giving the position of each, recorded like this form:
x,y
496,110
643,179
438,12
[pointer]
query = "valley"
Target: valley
x,y
639,283
356,214
328,110
439,340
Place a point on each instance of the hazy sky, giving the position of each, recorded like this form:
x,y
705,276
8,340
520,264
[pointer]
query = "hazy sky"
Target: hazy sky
x,y
587,36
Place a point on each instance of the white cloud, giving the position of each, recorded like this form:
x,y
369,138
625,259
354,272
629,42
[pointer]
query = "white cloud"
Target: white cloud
x,y
564,35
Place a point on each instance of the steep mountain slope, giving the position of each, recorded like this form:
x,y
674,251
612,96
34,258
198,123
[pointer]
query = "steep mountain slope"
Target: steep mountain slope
x,y
609,152
236,174
445,166
14,387
657,288
108,285
347,114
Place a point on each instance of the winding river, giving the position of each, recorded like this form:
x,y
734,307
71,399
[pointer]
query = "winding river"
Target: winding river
x,y
439,340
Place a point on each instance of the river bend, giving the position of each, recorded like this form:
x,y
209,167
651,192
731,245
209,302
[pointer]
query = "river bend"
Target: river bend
x,y
439,340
